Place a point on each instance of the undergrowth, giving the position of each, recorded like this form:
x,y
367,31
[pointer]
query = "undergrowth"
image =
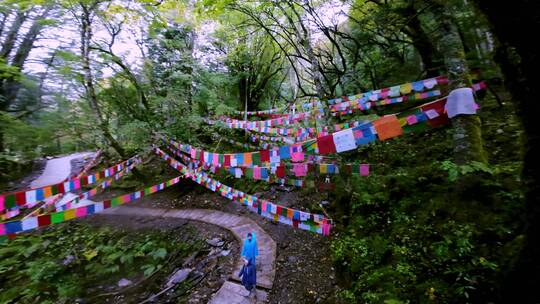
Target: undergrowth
x,y
78,261
405,235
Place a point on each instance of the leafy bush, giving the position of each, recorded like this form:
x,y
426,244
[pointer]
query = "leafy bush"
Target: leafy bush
x,y
68,261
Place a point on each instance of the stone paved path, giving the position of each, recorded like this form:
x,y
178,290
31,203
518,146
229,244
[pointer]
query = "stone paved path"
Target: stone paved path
x,y
230,291
57,170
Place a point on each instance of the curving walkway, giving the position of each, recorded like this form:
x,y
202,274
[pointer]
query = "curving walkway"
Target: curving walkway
x,y
57,170
231,291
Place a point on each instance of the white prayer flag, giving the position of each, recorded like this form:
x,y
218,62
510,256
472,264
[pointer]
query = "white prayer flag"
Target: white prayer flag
x,y
460,101
344,140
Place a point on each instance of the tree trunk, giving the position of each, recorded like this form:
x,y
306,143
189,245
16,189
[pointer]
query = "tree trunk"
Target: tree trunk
x,y
28,42
518,58
5,15
7,48
422,42
419,37
11,85
11,37
243,92
467,134
86,37
303,34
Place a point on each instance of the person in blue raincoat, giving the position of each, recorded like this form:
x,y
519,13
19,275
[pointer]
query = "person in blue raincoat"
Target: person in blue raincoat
x,y
249,275
250,249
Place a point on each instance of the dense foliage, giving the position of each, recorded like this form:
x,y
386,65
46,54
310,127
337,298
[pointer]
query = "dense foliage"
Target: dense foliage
x,y
408,237
78,261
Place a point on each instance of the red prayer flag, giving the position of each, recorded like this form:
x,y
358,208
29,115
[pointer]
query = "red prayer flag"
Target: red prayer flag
x,y
61,188
265,156
438,106
44,220
280,171
20,198
326,144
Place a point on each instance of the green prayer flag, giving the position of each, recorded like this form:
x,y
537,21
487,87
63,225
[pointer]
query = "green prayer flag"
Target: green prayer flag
x,y
256,158
57,217
10,201
115,202
249,173
54,189
416,128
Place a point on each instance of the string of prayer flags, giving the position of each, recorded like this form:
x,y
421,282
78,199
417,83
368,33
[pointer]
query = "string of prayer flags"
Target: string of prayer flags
x,y
257,137
363,104
35,222
375,95
345,140
21,199
256,173
288,132
281,213
277,169
286,120
58,202
262,112
61,205
290,135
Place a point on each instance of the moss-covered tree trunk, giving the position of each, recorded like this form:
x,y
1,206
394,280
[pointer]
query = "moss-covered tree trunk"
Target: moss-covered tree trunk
x,y
467,133
519,61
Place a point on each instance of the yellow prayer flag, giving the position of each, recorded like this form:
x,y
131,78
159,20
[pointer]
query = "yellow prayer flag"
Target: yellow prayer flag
x,y
69,214
405,88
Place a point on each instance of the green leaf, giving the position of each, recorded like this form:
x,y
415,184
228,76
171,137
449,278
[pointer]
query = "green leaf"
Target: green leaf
x,y
159,253
90,254
148,269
